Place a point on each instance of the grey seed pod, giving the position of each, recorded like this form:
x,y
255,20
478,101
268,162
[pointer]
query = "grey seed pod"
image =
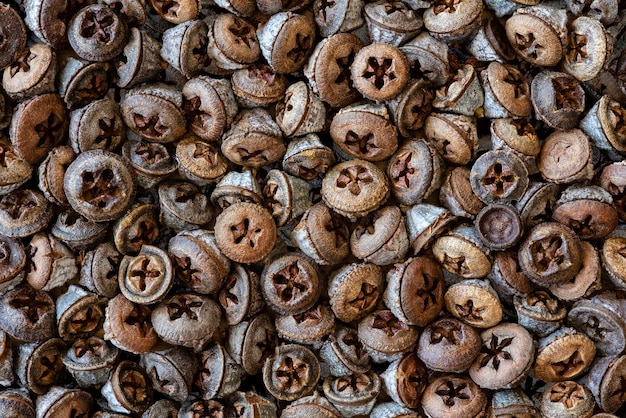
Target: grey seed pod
x,y
605,124
428,58
392,410
301,111
463,95
353,395
339,16
391,22
237,187
287,196
512,401
424,222
141,60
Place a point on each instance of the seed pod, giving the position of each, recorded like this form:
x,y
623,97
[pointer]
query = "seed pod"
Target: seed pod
x,y
301,111
286,41
462,95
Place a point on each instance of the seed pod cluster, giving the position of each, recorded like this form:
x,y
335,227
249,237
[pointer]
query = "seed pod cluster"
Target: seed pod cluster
x,y
312,208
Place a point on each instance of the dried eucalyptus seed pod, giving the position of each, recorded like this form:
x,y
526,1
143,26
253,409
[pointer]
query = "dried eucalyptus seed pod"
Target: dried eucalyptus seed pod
x,y
519,137
186,319
506,357
380,237
12,263
537,202
97,32
586,281
565,398
138,227
457,196
32,72
209,105
474,302
250,343
308,406
461,252
290,284
51,263
334,17
286,41
147,277
16,403
512,401
462,95
538,34
558,99
355,188
154,112
453,22
424,222
322,235
38,366
78,232
15,171
251,405
586,34
128,389
344,353
355,290
237,187
309,328
385,337
405,380
297,362
365,131
286,196
90,361
328,69
605,382
183,206
151,162
415,290
392,410
240,297
171,371
416,170
490,42
428,59
353,395
232,42
563,355
79,313
178,12
198,263
301,111
454,136
307,158
254,139
605,124
507,93
140,61
200,162
587,210
218,375
601,318
258,86
81,82
59,401
410,108
539,312
391,22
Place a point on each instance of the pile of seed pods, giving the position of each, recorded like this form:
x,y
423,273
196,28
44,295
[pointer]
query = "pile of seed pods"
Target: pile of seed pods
x,y
312,208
